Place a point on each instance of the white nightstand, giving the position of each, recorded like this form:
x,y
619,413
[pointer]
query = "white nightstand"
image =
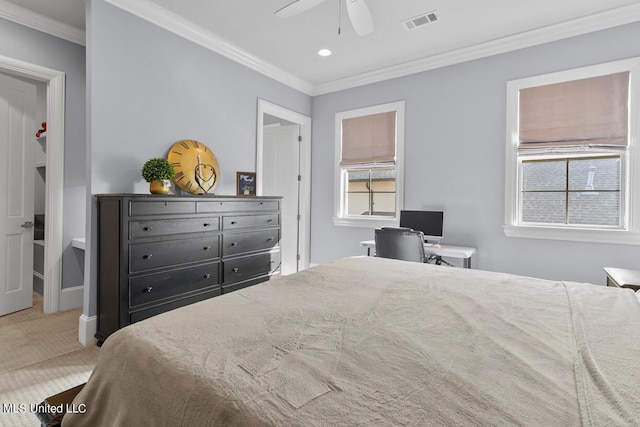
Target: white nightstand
x,y
623,278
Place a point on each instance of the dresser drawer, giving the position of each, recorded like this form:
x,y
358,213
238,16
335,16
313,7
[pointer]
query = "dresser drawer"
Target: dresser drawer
x,y
155,287
162,227
161,207
248,221
146,256
237,243
244,268
238,205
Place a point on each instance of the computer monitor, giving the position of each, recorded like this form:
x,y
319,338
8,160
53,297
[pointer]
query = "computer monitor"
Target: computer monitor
x,y
429,222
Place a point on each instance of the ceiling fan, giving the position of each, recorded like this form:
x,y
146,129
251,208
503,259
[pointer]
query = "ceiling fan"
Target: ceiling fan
x,y
358,11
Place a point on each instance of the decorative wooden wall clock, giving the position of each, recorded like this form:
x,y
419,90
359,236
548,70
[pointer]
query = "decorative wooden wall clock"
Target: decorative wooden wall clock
x,y
197,169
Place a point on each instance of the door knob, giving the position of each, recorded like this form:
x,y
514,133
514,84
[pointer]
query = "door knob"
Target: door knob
x,y
27,225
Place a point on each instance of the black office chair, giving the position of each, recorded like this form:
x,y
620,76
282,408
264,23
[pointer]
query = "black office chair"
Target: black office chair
x,y
400,243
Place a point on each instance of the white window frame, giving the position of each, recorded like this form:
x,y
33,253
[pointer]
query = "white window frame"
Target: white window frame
x,y
340,215
629,230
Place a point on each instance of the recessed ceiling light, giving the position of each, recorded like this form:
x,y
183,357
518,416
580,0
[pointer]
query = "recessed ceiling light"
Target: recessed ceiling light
x,y
324,52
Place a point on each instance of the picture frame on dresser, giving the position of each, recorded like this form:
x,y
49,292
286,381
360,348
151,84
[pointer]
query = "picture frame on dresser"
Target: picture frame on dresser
x,y
246,184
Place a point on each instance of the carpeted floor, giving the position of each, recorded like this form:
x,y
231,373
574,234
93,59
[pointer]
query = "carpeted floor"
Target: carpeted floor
x,y
39,356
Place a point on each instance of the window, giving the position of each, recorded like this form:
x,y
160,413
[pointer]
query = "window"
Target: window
x,y
369,162
572,191
570,161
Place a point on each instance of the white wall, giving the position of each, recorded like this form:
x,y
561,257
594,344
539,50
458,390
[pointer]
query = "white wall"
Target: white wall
x,y
35,47
455,154
147,89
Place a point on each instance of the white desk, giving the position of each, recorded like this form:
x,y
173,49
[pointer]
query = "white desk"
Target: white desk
x,y
462,252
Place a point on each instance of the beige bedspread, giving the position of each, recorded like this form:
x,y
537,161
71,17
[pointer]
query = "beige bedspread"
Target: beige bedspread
x,y
371,342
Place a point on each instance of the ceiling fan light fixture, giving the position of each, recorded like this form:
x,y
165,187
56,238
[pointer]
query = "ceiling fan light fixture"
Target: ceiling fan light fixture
x,y
324,52
360,17
358,11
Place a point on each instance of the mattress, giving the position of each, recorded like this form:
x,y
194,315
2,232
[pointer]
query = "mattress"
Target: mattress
x,y
370,341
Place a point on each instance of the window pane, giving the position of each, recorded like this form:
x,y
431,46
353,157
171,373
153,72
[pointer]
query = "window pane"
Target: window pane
x,y
544,207
384,204
593,197
358,204
544,175
594,174
383,174
358,186
593,208
387,186
371,191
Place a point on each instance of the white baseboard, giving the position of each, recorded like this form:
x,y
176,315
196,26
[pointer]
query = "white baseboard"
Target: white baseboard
x,y
87,328
71,298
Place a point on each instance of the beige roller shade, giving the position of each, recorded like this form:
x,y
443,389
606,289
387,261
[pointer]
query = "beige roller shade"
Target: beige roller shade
x,y
590,112
369,139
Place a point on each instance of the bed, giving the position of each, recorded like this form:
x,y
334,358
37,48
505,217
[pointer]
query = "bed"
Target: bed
x,y
371,341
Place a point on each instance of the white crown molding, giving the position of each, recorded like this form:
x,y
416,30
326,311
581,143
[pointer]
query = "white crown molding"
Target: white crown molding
x,y
168,20
576,27
31,19
176,24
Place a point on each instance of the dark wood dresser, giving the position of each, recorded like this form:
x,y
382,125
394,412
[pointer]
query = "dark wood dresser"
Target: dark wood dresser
x,y
157,253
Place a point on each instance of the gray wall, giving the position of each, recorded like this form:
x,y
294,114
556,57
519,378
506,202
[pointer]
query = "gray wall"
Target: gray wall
x,y
149,88
32,46
455,154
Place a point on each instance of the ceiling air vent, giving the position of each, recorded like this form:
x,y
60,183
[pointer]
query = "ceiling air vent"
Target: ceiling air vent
x,y
420,20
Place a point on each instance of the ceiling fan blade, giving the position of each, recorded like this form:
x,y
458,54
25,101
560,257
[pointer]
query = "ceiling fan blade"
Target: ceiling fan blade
x,y
360,16
296,7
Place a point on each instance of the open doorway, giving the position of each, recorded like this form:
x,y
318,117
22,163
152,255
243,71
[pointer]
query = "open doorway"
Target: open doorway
x,y
283,168
53,176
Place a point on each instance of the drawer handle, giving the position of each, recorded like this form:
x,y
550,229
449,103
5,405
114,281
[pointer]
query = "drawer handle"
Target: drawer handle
x,y
270,239
206,248
147,256
147,289
147,228
234,244
206,224
270,220
233,223
235,269
207,276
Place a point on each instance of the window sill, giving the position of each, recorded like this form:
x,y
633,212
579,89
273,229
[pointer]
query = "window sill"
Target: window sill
x,y
365,222
623,237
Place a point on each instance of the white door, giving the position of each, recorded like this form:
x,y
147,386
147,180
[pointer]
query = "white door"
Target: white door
x,y
17,172
281,160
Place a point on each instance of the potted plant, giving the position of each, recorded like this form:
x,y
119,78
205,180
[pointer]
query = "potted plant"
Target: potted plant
x,y
158,173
